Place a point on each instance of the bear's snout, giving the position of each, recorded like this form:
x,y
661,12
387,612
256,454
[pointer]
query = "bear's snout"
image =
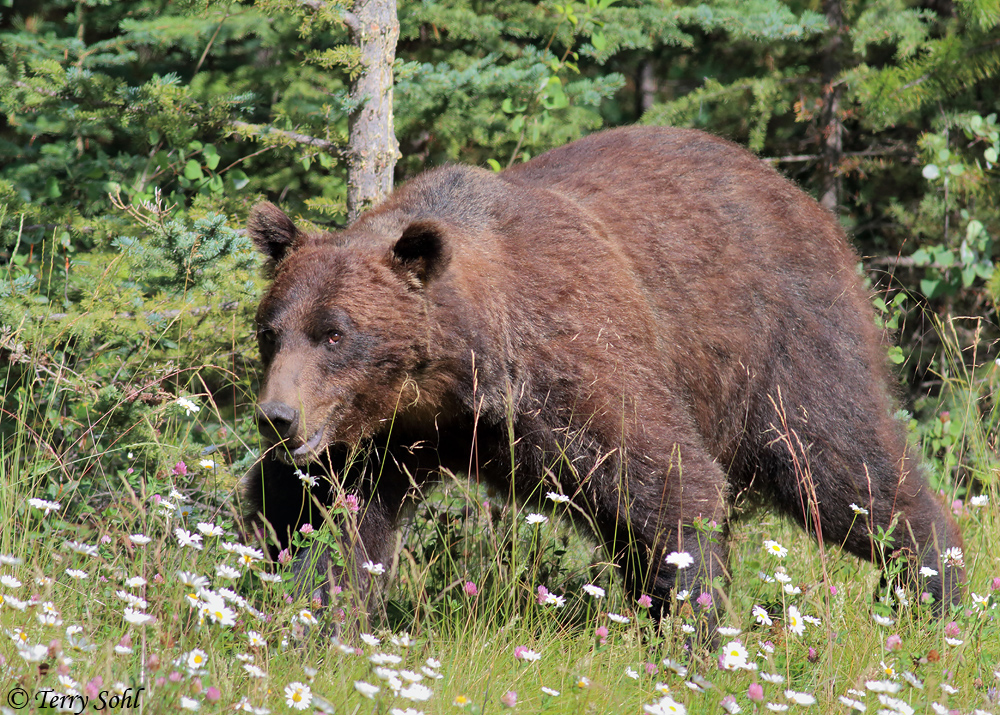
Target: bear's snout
x,y
276,421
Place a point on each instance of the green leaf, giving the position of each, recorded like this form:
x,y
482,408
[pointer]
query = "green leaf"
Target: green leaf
x,y
599,41
494,164
239,178
929,287
52,188
192,170
212,157
991,155
896,355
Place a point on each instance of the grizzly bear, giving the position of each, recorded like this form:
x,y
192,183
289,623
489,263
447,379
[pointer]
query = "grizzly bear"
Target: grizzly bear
x,y
650,321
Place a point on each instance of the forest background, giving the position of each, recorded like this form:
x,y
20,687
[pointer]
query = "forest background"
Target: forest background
x,y
136,136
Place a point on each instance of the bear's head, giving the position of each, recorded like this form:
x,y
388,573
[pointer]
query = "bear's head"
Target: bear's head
x,y
343,330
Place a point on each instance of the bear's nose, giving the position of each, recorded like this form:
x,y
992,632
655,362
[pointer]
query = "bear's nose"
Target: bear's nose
x,y
276,421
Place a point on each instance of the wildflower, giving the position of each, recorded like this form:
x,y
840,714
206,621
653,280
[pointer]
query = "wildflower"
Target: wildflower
x,y
687,628
384,659
186,538
192,579
912,680
954,641
187,405
196,660
704,600
32,653
664,705
761,615
10,581
856,704
727,631
461,701
306,617
44,505
645,601
418,692
189,703
756,692
953,556
298,695
882,620
678,668
592,590
206,463
209,529
526,654
800,698
403,640
630,673
734,656
893,642
77,574
730,705
773,678
583,682
247,554
775,549
269,577
139,539
83,549
554,600
306,528
370,639
307,480
550,692
509,698
536,518
979,500
951,690
882,686
896,705
137,618
861,511
764,577
889,670
680,559
792,590
618,618
794,622
471,589
226,571
812,620
557,498
682,595
782,577
373,568
951,629
410,676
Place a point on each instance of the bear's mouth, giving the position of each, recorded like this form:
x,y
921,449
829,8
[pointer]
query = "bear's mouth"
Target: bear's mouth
x,y
304,454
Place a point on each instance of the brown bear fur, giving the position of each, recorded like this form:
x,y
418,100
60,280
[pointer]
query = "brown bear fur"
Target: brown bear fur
x,y
657,321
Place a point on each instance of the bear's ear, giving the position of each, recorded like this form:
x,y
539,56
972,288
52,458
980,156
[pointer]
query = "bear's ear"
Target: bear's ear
x,y
271,230
421,254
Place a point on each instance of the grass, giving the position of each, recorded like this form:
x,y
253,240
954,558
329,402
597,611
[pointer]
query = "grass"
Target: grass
x,y
196,620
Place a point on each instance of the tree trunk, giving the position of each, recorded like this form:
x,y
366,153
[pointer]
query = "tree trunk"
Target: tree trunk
x,y
372,146
647,85
830,124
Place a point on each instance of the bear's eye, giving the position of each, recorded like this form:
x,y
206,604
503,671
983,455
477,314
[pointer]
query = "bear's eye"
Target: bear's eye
x,y
333,338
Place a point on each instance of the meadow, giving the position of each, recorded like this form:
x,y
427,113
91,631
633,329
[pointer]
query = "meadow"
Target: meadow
x,y
125,585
